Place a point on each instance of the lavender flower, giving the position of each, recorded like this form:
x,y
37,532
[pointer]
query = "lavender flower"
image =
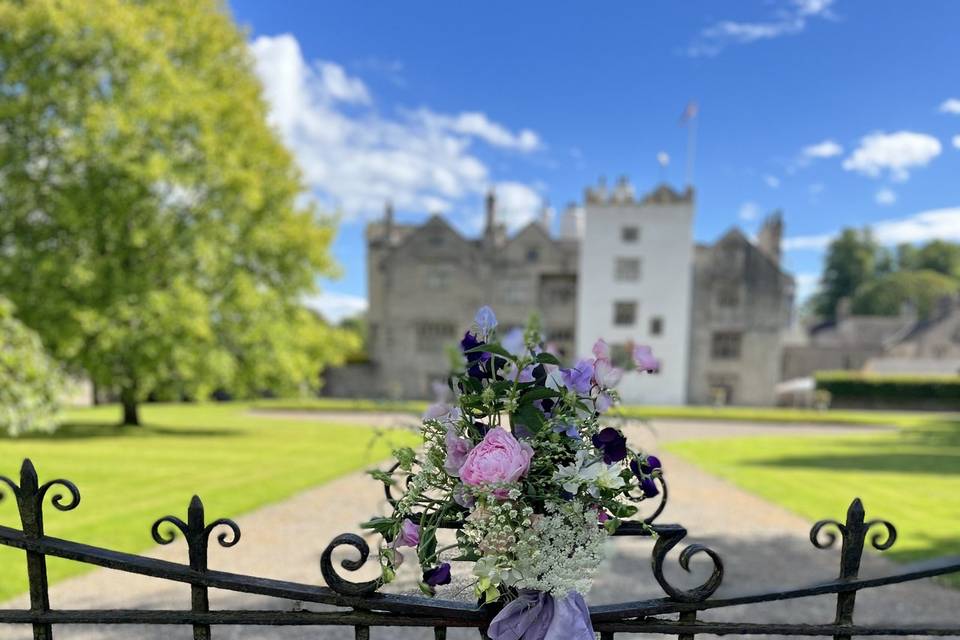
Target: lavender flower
x,y
580,377
485,322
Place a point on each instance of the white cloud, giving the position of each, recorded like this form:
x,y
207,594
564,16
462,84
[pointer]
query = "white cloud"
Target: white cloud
x,y
337,306
477,124
825,149
951,105
895,153
354,158
772,181
517,204
789,20
749,211
956,142
885,196
807,243
806,285
935,224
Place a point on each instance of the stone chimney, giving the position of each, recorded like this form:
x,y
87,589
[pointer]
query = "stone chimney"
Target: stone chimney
x,y
770,236
491,213
388,221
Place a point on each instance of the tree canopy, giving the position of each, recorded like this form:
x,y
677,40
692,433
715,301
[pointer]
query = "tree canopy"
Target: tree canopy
x,y
851,261
879,282
886,296
30,380
154,231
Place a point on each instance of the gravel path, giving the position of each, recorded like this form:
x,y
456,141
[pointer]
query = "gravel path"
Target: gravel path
x,y
763,546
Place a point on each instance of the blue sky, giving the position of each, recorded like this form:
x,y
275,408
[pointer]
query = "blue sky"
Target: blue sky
x,y
839,113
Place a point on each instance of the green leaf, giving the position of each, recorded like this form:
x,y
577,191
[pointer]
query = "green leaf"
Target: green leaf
x,y
493,348
547,358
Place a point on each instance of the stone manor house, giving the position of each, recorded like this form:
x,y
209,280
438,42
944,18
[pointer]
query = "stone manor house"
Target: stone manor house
x,y
623,267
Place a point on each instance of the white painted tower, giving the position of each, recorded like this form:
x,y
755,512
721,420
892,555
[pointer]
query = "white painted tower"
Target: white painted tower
x,y
635,283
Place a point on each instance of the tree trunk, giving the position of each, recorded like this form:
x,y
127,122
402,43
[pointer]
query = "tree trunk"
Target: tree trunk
x,y
131,417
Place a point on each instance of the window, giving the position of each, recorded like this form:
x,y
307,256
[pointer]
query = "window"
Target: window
x,y
557,290
728,296
725,345
630,234
431,336
656,326
436,240
516,291
627,269
560,335
533,254
437,279
624,314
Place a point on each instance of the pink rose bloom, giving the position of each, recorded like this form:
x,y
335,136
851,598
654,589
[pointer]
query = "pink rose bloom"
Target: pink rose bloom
x,y
409,535
606,375
457,450
500,458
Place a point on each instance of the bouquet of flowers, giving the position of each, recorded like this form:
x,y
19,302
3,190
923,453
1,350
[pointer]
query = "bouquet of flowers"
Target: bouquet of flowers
x,y
516,460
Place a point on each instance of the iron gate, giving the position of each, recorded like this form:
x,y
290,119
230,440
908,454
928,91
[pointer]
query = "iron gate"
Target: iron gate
x,y
674,614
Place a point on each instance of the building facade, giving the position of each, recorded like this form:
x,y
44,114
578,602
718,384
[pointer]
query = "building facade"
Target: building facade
x,y
742,309
425,282
634,284
624,268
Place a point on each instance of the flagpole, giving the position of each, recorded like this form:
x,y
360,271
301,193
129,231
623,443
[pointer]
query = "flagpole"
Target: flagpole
x,y
691,147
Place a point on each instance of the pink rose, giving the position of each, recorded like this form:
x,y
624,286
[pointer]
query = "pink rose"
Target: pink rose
x,y
500,458
409,535
457,450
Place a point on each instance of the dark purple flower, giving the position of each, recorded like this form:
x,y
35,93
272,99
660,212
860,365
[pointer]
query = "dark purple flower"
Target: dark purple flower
x,y
475,359
645,468
649,487
612,443
438,575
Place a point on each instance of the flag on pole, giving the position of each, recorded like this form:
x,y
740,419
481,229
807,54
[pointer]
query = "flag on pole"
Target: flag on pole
x,y
689,112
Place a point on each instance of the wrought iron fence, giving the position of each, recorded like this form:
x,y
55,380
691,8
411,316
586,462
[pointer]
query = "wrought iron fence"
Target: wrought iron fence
x,y
363,608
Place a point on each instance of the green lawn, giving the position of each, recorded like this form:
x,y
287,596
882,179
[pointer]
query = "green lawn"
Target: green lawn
x,y
744,414
129,477
910,477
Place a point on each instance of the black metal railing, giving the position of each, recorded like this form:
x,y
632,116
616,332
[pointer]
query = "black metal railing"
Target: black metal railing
x,y
363,608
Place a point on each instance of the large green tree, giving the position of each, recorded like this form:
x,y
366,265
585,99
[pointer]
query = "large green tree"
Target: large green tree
x,y
886,295
851,261
153,229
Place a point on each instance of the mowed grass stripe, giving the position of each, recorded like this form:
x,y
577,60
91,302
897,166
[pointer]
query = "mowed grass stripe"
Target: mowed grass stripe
x,y
130,477
910,477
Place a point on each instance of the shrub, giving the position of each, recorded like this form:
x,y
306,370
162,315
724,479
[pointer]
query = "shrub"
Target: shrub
x,y
889,389
30,380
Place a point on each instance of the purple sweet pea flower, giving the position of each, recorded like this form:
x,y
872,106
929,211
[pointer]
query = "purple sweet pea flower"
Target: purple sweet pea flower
x,y
409,535
649,487
463,497
612,443
605,374
513,342
438,575
643,358
603,402
485,321
580,377
568,428
457,450
601,349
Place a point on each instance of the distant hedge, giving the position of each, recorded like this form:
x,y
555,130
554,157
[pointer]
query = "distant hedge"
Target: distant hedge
x,y
850,388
